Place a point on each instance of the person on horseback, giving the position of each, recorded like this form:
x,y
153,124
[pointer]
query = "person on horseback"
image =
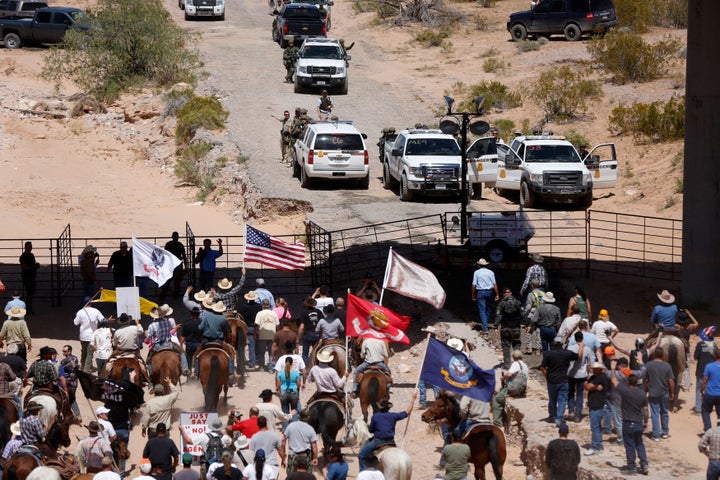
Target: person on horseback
x,y
665,314
127,339
327,379
374,353
32,429
330,328
382,425
214,326
14,443
42,371
160,337
228,293
472,412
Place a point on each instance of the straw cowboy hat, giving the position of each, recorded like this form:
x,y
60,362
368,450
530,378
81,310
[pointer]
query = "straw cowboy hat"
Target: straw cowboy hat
x,y
548,297
482,262
536,257
324,357
242,442
598,365
455,343
89,248
208,302
166,310
15,429
16,312
200,296
225,284
251,295
218,307
94,427
666,297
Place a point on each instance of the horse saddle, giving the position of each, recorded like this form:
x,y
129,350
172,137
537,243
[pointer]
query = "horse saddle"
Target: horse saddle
x,y
374,369
31,450
326,397
212,347
65,464
9,396
476,428
384,446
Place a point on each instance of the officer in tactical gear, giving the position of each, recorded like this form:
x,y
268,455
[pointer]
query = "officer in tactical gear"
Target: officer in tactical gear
x,y
290,55
324,106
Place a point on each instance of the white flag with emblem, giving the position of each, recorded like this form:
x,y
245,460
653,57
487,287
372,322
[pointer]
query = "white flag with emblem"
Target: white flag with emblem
x,y
149,260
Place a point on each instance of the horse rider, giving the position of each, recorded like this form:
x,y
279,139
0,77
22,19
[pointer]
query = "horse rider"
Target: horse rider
x,y
213,327
228,293
198,296
331,327
374,353
382,426
472,412
327,379
160,337
42,371
300,442
32,429
127,339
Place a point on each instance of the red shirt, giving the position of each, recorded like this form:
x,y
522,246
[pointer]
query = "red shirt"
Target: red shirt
x,y
247,427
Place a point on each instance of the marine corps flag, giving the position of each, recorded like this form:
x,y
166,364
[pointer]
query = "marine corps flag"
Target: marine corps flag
x,y
451,370
367,320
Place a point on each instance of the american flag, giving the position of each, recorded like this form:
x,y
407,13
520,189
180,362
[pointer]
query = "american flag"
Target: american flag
x,y
273,252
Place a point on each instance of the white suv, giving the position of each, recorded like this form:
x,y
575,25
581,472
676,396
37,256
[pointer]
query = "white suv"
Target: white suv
x,y
331,150
322,62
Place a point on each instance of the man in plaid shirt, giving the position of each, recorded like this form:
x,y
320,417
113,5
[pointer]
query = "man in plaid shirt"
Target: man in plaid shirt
x,y
42,371
31,427
535,272
710,446
6,376
160,336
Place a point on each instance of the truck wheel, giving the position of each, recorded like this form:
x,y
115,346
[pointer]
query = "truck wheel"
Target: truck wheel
x,y
527,197
344,88
497,251
364,182
405,193
476,191
298,87
518,32
12,40
295,167
388,181
187,17
305,181
586,201
572,32
222,17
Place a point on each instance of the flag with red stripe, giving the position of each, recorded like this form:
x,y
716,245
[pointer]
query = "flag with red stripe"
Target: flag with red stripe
x,y
367,320
273,252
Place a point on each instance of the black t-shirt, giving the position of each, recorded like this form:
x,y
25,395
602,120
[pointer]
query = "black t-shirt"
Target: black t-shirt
x,y
176,248
122,264
190,330
634,365
509,310
28,259
16,363
310,318
596,399
235,474
704,356
301,476
161,451
119,415
557,361
248,312
562,456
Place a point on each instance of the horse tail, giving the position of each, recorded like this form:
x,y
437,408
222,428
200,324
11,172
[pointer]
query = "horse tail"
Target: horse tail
x,y
12,473
4,428
674,360
211,389
374,393
492,446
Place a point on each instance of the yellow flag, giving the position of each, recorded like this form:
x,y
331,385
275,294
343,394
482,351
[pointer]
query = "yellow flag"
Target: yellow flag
x,y
109,296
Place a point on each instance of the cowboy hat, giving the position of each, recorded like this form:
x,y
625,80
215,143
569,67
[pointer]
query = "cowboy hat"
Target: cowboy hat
x,y
15,429
155,312
216,425
124,319
219,307
33,406
166,310
429,329
242,442
208,302
548,297
265,393
666,297
89,248
324,357
251,296
94,427
225,284
598,365
482,262
16,312
200,296
455,343
536,257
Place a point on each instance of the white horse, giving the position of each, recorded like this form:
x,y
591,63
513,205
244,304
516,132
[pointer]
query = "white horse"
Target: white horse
x,y
47,414
395,463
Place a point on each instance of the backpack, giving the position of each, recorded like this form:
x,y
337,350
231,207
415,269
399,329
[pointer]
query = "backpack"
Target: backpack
x,y
214,447
517,384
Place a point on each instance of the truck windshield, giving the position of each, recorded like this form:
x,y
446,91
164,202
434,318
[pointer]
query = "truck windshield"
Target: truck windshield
x,y
432,146
339,141
322,51
551,154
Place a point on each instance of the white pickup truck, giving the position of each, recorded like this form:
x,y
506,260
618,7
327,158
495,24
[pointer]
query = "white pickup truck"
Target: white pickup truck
x,y
500,234
421,161
548,168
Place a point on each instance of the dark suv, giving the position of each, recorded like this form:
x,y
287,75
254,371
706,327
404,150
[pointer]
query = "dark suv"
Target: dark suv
x,y
571,18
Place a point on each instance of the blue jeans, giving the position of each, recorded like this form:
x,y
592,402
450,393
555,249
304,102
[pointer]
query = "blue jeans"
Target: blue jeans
x,y
576,388
708,403
633,439
422,386
252,357
547,337
308,340
557,401
660,416
19,404
483,303
617,419
124,435
713,471
361,368
367,451
698,397
596,416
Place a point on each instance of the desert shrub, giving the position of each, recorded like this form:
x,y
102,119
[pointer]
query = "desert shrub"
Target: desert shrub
x,y
670,201
114,54
679,185
527,46
188,164
447,47
493,65
564,93
678,159
496,95
629,59
656,121
576,138
199,112
628,172
633,14
677,81
175,100
480,22
670,13
433,37
490,52
505,127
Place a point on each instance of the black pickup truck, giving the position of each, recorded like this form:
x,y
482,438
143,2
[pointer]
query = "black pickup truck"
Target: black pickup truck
x,y
19,8
48,25
298,21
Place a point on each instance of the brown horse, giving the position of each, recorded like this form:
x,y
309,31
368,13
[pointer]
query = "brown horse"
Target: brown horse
x,y
213,369
166,363
20,464
334,348
121,366
373,388
8,416
237,336
487,442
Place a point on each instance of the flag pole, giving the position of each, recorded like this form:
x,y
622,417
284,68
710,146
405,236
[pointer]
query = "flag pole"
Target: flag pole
x,y
385,277
417,383
347,369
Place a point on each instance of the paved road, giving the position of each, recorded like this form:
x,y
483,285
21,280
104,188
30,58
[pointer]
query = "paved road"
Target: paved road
x,y
247,71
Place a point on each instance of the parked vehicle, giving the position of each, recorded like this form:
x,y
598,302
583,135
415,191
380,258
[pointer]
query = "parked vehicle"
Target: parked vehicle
x,y
421,161
333,151
500,235
571,18
297,21
482,159
325,7
48,25
203,8
19,8
548,168
322,62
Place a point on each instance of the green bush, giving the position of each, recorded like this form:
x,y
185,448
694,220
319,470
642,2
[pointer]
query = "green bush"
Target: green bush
x,y
528,46
506,128
564,93
496,95
493,65
187,166
629,59
576,138
434,38
634,14
199,112
130,43
670,13
656,121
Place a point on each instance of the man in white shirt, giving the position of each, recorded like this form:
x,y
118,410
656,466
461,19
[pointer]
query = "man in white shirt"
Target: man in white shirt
x,y
483,287
270,411
108,431
569,324
87,319
374,352
326,378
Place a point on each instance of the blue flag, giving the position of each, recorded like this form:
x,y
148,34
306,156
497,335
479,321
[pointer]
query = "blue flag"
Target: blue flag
x,y
451,370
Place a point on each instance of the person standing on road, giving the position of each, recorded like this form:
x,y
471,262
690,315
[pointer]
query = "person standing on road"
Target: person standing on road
x,y
325,106
597,388
206,257
554,366
508,317
163,454
710,445
266,325
710,389
457,458
121,265
87,319
661,391
157,409
577,373
285,127
547,320
28,272
290,55
704,355
562,456
269,442
532,302
536,271
300,443
483,286
15,331
634,406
